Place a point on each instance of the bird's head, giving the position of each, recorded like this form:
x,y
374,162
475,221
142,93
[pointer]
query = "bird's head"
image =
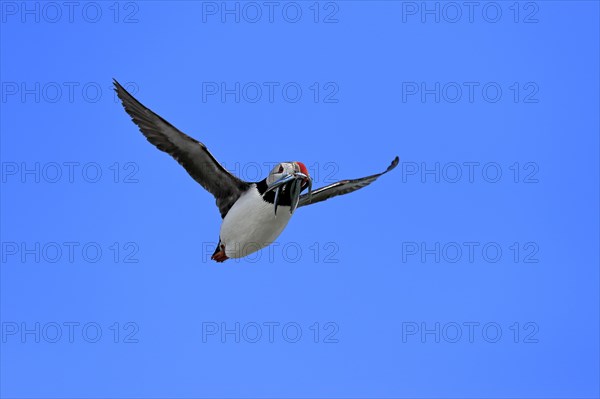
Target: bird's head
x,y
288,179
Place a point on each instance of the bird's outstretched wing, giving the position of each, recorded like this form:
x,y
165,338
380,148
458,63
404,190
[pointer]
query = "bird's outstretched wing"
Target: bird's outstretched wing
x,y
190,153
342,187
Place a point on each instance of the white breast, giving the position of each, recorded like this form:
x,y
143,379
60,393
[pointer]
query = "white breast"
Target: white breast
x,y
251,224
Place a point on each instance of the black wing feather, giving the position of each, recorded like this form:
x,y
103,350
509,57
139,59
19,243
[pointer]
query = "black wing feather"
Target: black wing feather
x,y
189,152
342,187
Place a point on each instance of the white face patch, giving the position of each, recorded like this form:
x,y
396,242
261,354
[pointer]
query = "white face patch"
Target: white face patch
x,y
280,170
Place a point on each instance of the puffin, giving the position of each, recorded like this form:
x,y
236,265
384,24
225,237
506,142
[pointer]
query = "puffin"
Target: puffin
x,y
253,213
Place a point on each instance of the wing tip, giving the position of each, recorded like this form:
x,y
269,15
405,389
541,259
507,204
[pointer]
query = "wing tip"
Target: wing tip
x,y
119,89
394,163
128,101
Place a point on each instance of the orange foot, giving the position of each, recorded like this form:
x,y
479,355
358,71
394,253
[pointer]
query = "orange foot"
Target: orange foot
x,y
220,256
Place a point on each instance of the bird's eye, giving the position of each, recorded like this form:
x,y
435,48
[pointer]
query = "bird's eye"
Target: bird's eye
x,y
280,169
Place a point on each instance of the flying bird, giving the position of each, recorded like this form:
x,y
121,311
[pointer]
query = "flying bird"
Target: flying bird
x,y
254,213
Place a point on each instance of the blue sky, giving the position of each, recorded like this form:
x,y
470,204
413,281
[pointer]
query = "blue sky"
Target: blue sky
x,y
469,271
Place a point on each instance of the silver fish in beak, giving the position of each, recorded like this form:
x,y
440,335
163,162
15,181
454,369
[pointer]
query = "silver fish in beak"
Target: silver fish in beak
x,y
295,189
278,183
276,201
293,184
